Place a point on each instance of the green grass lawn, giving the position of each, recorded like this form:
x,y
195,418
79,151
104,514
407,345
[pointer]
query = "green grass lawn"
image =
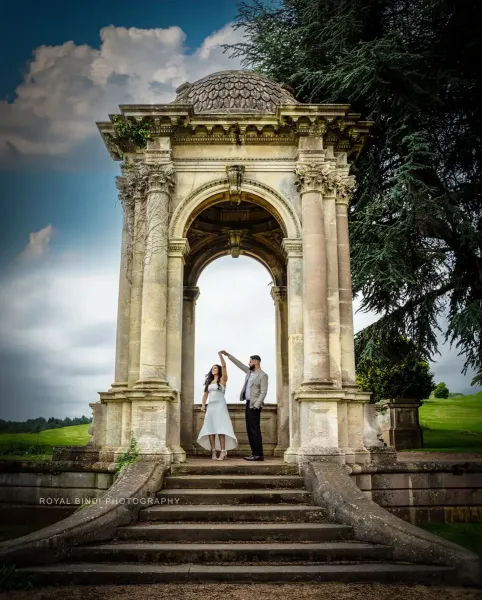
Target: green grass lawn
x,y
468,535
452,424
75,435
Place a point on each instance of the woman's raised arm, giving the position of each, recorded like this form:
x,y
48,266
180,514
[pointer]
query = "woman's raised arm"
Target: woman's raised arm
x,y
224,374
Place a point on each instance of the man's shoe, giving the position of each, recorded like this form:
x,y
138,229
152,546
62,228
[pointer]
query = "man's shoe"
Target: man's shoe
x,y
254,458
248,457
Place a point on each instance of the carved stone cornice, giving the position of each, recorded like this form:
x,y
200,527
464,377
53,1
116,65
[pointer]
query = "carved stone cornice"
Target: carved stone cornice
x,y
279,294
293,247
312,177
161,178
235,179
178,248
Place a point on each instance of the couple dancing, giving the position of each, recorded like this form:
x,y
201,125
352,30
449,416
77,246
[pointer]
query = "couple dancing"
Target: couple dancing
x,y
217,421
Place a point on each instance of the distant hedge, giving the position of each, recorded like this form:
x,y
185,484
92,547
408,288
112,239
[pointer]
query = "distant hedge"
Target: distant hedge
x,y
40,424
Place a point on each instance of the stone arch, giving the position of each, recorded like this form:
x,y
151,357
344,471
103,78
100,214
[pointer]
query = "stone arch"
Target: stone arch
x,y
198,200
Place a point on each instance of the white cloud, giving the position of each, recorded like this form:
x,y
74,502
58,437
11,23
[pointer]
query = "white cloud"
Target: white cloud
x,y
38,244
69,87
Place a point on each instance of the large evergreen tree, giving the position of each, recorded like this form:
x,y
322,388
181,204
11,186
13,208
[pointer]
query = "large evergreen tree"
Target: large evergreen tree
x,y
414,68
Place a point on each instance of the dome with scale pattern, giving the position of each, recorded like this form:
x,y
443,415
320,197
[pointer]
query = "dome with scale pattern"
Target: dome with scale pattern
x,y
234,92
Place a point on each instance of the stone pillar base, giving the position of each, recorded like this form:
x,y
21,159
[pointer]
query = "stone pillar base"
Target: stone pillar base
x,y
119,385
318,423
147,421
291,455
151,384
279,451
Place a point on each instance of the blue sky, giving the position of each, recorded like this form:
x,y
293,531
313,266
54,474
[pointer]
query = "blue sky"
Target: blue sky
x,y
63,66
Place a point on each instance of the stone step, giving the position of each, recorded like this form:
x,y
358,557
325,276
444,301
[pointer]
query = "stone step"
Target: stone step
x,y
230,482
235,532
249,496
124,574
295,513
233,467
235,552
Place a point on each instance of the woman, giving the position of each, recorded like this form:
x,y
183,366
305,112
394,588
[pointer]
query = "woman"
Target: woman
x,y
217,420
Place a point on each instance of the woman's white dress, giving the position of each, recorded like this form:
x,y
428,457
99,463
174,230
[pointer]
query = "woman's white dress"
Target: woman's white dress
x,y
217,420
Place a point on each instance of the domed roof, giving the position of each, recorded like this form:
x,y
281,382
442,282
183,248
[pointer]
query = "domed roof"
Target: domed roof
x,y
234,92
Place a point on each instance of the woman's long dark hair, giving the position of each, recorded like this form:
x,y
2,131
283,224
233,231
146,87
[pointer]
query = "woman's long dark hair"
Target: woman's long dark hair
x,y
210,377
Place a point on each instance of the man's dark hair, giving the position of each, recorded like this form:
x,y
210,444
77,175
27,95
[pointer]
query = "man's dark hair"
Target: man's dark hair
x,y
256,357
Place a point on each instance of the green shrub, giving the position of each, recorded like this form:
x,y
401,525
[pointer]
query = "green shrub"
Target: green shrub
x,y
23,448
393,370
441,391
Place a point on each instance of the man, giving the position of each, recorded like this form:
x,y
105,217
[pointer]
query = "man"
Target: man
x,y
253,393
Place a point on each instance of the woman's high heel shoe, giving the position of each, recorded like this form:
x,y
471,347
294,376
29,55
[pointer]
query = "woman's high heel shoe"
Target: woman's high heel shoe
x,y
213,455
223,455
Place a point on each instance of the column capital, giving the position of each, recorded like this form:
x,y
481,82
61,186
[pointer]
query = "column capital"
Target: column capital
x,y
279,294
132,183
312,176
293,247
178,247
344,188
161,177
190,293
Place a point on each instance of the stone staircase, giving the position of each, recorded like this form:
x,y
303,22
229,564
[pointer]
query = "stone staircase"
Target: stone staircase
x,y
234,522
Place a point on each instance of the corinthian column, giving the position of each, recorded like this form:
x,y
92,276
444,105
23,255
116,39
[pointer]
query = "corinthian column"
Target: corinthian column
x,y
311,179
127,198
137,178
152,368
345,186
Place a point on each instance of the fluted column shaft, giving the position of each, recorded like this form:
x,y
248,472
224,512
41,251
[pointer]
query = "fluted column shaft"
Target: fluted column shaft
x,y
152,368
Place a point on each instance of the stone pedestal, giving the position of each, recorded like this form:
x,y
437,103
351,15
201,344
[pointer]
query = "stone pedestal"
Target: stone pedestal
x,y
400,424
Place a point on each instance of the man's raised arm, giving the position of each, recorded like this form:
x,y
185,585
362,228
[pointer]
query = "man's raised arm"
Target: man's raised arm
x,y
237,362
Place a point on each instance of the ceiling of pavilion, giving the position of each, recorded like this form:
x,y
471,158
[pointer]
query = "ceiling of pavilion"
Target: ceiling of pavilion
x,y
236,229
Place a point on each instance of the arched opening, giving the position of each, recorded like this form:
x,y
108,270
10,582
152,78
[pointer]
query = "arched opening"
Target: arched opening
x,y
237,267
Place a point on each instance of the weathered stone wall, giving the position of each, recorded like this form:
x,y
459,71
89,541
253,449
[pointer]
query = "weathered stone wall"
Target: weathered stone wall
x,y
53,489
425,492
